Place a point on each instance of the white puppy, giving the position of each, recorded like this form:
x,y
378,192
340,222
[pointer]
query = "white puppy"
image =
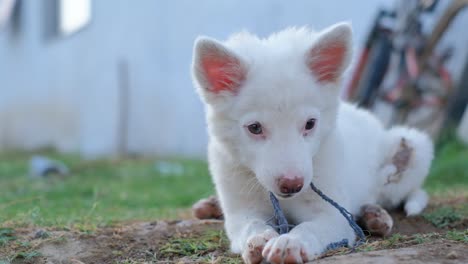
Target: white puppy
x,y
276,123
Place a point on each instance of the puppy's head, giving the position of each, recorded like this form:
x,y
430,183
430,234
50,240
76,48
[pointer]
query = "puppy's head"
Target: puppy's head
x,y
271,101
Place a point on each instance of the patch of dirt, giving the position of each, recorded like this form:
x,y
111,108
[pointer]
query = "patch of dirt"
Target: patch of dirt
x,y
133,242
413,225
65,251
430,253
203,241
418,224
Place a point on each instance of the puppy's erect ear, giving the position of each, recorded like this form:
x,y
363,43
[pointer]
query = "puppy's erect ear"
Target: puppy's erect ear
x,y
331,53
216,68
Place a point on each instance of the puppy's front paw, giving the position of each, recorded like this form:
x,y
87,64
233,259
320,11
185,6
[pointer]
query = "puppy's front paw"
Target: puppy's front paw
x,y
255,244
285,249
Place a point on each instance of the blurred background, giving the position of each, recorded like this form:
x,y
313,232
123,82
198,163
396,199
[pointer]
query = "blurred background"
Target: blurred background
x,y
106,77
99,93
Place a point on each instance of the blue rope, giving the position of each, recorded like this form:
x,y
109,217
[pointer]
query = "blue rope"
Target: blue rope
x,y
282,225
281,222
346,214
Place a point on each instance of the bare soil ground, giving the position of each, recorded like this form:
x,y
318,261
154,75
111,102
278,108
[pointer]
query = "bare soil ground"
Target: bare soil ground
x,y
413,240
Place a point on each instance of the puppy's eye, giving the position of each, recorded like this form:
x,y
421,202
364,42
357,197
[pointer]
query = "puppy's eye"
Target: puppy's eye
x,y
255,128
310,124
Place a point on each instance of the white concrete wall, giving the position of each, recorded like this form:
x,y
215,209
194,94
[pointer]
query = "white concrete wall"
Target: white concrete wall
x,y
64,91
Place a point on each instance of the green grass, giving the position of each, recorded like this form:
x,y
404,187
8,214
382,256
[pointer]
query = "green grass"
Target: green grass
x,y
443,216
101,192
97,192
449,172
198,247
460,236
6,235
195,246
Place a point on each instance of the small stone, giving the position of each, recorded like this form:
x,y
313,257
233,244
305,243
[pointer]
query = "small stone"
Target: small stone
x,y
452,255
41,167
41,234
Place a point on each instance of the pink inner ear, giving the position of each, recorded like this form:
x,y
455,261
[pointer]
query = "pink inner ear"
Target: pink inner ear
x,y
223,74
325,62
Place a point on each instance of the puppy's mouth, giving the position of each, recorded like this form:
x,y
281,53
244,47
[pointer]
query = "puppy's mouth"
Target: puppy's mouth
x,y
284,196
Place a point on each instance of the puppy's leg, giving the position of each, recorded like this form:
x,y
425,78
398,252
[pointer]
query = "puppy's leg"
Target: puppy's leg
x,y
255,245
416,202
250,234
376,220
310,238
408,158
246,224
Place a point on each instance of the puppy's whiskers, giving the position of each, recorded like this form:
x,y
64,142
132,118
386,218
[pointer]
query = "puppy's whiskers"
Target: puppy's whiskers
x,y
251,184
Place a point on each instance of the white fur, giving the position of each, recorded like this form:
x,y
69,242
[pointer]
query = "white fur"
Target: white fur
x,y
347,155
